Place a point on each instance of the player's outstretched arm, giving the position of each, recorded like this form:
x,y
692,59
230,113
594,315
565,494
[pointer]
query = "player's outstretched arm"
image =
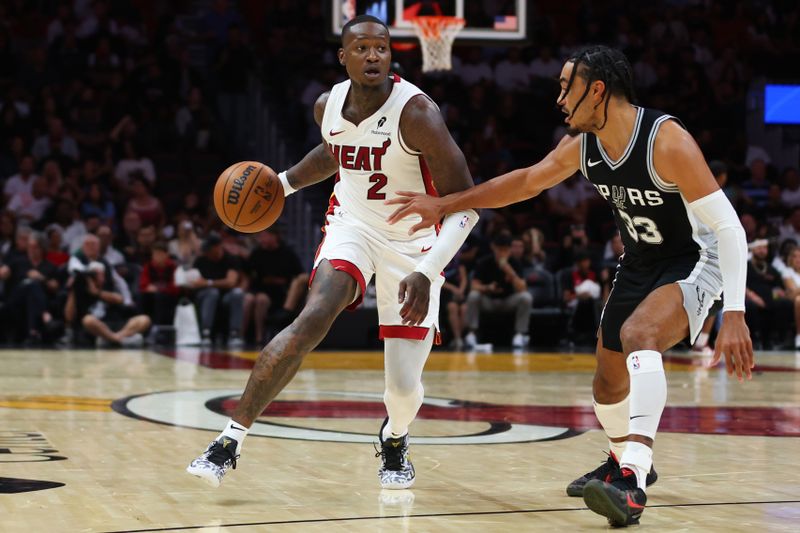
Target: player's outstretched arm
x,y
317,165
677,159
422,129
515,186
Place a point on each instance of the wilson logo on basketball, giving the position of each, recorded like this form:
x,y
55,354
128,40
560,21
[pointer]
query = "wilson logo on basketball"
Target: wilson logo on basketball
x,y
238,185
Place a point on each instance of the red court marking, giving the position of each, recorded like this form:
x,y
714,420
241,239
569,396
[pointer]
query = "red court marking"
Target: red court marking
x,y
765,421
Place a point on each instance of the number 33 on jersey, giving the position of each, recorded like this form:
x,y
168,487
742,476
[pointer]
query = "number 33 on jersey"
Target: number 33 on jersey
x,y
374,162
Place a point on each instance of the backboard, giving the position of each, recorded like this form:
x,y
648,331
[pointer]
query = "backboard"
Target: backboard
x,y
486,20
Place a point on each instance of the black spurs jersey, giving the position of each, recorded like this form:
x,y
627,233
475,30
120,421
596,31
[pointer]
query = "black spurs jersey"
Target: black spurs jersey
x,y
652,215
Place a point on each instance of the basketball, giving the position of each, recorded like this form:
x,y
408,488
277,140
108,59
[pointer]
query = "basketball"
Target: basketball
x,y
248,196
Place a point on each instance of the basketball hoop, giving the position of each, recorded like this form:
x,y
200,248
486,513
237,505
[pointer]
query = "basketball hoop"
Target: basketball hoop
x,y
437,35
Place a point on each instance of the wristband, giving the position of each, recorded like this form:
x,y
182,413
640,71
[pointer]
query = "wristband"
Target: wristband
x,y
287,187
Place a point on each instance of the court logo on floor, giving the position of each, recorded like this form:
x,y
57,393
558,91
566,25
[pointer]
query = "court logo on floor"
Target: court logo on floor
x,y
338,416
26,447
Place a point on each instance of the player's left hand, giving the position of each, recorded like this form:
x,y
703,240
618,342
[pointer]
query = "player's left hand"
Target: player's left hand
x,y
414,294
428,207
734,341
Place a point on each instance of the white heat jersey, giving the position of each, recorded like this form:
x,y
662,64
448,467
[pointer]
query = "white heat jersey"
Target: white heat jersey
x,y
374,163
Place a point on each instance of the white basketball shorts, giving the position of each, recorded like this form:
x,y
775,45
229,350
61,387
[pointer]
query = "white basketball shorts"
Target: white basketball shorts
x,y
361,252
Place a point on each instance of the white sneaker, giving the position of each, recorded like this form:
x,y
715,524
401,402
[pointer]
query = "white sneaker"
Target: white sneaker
x,y
219,457
520,341
235,342
470,340
134,341
396,471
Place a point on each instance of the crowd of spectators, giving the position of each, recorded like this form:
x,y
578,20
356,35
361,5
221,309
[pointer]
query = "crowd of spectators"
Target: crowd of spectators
x,y
111,134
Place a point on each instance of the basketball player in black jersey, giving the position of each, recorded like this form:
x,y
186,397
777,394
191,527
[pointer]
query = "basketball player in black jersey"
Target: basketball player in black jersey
x,y
684,247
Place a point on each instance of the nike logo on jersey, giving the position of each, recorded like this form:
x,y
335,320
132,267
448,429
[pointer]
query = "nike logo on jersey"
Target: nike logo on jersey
x,y
426,248
638,416
593,163
332,133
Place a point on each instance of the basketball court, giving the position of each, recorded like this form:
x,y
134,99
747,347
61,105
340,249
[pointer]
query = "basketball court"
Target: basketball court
x,y
98,441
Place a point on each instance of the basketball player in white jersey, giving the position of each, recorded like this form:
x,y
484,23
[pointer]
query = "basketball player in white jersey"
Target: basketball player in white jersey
x,y
382,135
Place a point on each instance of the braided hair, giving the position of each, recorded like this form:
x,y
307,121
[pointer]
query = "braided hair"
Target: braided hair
x,y
601,63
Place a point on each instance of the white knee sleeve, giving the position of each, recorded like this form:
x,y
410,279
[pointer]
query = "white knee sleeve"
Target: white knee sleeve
x,y
404,360
614,419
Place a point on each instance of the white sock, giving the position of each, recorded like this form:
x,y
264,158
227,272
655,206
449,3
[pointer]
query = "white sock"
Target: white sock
x,y
639,458
648,392
404,360
797,340
614,419
702,340
648,397
236,431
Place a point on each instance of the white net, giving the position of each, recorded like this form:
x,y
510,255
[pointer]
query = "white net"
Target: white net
x,y
436,34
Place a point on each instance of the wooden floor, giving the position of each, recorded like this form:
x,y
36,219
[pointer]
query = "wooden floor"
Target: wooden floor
x,y
98,441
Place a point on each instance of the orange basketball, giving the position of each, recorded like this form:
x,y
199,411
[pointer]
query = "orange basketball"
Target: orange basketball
x,y
248,196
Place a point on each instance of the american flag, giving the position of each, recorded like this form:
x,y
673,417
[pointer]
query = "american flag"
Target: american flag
x,y
505,22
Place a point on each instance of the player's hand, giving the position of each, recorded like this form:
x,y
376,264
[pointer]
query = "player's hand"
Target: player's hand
x,y
414,294
428,207
734,342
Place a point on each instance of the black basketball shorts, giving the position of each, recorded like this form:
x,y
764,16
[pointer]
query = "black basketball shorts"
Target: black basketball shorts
x,y
699,279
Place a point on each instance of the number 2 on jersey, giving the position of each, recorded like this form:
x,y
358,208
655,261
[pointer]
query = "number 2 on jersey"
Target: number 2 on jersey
x,y
380,181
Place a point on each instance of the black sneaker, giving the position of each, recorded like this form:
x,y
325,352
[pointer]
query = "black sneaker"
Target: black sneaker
x,y
396,471
604,472
219,457
621,501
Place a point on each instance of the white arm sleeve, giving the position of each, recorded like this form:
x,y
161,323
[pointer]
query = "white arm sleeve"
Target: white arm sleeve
x,y
455,229
717,212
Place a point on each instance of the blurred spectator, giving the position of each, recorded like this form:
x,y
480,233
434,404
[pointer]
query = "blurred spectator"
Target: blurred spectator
x,y
474,69
133,164
31,283
66,217
110,255
195,121
511,74
575,240
497,286
276,281
755,191
569,199
768,310
23,181
790,195
157,286
30,207
8,228
791,227
186,246
217,287
144,204
99,301
51,174
580,293
720,172
453,301
791,280
55,246
97,203
19,249
56,143
545,65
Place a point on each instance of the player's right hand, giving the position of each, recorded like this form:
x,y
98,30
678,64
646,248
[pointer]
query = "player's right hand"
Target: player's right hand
x,y
414,294
428,207
734,341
